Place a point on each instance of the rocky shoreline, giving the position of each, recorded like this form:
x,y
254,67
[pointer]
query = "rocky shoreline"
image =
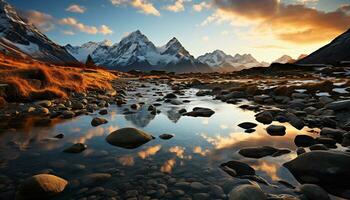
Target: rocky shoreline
x,y
321,165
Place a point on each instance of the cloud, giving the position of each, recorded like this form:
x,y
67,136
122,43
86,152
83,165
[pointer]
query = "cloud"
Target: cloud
x,y
294,23
200,6
144,6
76,8
178,6
72,22
68,32
44,22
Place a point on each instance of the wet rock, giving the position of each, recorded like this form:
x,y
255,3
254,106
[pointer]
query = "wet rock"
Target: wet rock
x,y
98,121
203,93
311,191
264,117
200,196
182,111
42,111
198,186
237,168
300,150
103,112
135,106
247,125
317,147
68,114
276,130
295,121
166,136
346,140
41,186
304,141
175,102
281,118
76,148
95,178
59,136
200,112
251,130
129,138
339,105
259,152
325,100
170,96
336,134
247,192
328,169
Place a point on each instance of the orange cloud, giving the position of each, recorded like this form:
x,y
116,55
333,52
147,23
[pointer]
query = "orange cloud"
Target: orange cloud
x,y
72,22
293,23
44,22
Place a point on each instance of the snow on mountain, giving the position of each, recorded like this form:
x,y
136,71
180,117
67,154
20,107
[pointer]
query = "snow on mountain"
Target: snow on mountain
x,y
136,52
284,59
82,52
221,61
19,38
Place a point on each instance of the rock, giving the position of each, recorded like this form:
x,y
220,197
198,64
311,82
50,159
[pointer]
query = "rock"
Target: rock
x,y
236,168
200,112
59,136
317,147
328,169
95,178
175,102
336,134
300,150
44,103
247,125
41,186
264,117
42,111
135,106
198,186
295,121
201,196
281,118
276,130
170,96
77,106
258,152
103,112
166,136
98,121
182,111
129,138
346,140
325,100
247,192
76,148
304,141
68,114
339,105
311,191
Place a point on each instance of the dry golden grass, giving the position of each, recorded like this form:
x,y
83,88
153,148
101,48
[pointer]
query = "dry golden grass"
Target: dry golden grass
x,y
30,80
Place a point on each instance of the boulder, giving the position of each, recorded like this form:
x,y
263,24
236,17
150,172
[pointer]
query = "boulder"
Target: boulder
x,y
264,117
339,105
76,148
98,121
41,186
260,152
247,125
247,192
328,169
128,138
311,191
304,141
200,112
276,130
336,134
237,168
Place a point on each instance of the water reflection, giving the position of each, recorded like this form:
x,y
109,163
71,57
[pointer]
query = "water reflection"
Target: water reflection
x,y
141,118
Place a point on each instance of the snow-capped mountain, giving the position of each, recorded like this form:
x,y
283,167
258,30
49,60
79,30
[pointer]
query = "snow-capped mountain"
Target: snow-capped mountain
x,y
136,52
82,52
284,59
221,61
333,53
19,38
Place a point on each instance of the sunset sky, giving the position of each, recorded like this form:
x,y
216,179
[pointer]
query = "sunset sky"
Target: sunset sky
x,y
267,29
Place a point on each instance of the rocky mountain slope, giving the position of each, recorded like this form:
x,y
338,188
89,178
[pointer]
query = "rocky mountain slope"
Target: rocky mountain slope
x,y
18,38
333,53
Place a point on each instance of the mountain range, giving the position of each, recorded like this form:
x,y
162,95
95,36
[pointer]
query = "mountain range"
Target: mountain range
x,y
18,38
